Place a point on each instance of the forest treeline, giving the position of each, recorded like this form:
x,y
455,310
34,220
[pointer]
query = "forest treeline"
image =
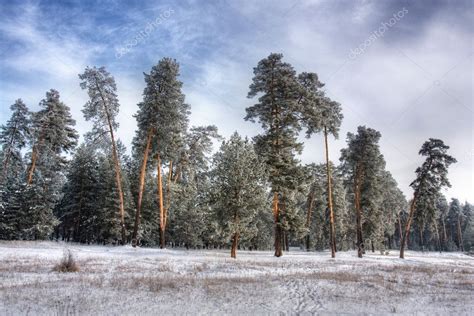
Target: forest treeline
x,y
173,191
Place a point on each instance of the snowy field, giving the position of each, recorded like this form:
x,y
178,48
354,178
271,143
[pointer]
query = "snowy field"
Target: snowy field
x,y
123,280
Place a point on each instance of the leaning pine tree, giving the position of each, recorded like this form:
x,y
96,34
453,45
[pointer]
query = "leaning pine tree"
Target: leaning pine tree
x,y
430,178
278,111
102,108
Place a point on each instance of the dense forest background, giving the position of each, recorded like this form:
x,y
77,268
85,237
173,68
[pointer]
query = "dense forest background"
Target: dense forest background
x,y
175,190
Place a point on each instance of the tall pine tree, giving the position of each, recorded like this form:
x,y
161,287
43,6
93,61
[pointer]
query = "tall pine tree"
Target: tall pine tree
x,y
238,189
321,114
362,164
102,108
53,135
278,111
430,178
162,122
13,138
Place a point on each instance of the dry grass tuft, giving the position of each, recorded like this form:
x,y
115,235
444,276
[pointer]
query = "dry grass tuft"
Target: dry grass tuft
x,y
67,264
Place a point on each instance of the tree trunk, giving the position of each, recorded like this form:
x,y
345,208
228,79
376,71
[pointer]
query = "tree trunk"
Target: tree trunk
x,y
400,228
407,228
411,213
235,241
276,215
141,188
445,235
308,217
34,158
168,193
460,241
160,202
360,243
177,176
235,238
421,240
118,174
437,236
77,229
332,234
284,233
118,180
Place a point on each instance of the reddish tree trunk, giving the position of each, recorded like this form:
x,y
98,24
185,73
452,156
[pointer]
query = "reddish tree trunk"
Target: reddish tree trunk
x,y
168,193
308,217
160,201
437,236
118,180
360,243
407,228
278,236
400,227
460,241
445,235
118,174
235,241
332,234
235,238
141,188
421,240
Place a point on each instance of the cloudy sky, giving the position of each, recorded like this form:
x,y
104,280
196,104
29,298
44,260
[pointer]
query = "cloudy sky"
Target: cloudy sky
x,y
404,68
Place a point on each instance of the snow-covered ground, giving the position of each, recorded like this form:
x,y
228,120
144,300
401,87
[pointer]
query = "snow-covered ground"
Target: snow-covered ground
x,y
128,281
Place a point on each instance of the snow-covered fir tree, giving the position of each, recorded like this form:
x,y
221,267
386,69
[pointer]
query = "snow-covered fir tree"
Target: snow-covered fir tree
x,y
362,164
278,112
102,108
238,190
430,178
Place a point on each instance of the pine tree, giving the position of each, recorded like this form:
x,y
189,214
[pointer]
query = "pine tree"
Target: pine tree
x,y
430,178
468,227
11,216
102,108
321,114
77,209
425,214
317,208
191,222
443,209
362,164
456,218
345,232
162,122
393,204
53,135
238,186
278,111
13,138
